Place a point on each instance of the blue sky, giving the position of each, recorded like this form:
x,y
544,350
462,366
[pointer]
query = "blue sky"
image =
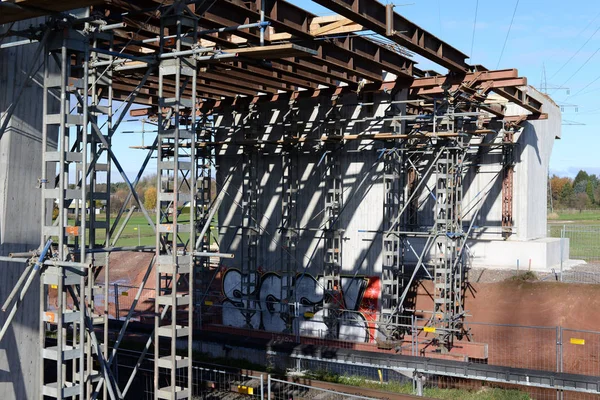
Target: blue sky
x,y
544,33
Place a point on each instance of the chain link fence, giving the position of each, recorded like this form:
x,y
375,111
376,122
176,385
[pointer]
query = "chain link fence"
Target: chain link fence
x,y
547,348
555,349
584,250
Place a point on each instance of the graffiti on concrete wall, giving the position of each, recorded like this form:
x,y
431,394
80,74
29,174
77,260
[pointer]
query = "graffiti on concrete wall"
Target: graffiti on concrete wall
x,y
359,303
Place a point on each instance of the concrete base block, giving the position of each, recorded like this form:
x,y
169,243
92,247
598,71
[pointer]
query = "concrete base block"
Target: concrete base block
x,y
544,254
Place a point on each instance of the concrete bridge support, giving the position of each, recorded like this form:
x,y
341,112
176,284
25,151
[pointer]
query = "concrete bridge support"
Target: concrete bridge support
x,y
20,209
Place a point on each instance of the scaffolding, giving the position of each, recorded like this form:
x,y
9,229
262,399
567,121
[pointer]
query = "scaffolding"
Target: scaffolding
x,y
250,224
393,244
94,68
290,187
176,188
332,234
205,163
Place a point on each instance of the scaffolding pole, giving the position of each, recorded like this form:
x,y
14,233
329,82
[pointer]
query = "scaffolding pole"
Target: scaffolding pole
x,y
251,126
290,186
332,234
175,223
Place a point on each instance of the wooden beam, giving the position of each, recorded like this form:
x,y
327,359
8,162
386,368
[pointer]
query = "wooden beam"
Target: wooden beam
x,y
273,51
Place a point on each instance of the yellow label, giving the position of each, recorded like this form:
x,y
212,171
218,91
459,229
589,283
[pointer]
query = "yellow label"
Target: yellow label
x,y
245,390
54,286
208,303
309,314
125,294
577,341
429,329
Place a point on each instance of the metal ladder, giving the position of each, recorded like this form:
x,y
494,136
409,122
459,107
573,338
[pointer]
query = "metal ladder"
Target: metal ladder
x,y
394,177
69,155
176,182
332,250
67,161
204,136
100,117
290,185
449,268
250,228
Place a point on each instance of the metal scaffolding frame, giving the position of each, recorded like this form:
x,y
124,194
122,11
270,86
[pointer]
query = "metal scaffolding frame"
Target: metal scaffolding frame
x,y
74,155
87,61
176,188
204,164
250,128
393,244
332,234
290,187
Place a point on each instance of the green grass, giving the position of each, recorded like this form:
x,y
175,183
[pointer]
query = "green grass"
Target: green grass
x,y
138,232
583,239
586,216
582,232
484,393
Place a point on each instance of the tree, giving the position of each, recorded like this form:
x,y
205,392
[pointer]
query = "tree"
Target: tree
x,y
580,187
147,181
150,198
582,176
117,200
589,190
597,195
566,194
141,193
556,187
581,201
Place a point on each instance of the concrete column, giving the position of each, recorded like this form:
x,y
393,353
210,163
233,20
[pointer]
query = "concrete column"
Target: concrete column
x,y
20,202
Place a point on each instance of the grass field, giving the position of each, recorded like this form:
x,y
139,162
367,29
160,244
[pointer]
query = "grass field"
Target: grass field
x,y
582,229
583,217
484,393
138,232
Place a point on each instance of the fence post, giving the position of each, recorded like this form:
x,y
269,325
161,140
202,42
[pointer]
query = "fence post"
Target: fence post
x,y
562,251
262,387
559,358
415,337
117,301
418,384
558,349
269,387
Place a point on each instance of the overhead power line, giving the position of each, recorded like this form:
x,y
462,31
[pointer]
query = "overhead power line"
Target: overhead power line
x,y
580,68
577,52
585,87
508,33
474,26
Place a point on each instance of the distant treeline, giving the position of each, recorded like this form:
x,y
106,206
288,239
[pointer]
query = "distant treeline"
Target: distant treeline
x,y
146,191
580,193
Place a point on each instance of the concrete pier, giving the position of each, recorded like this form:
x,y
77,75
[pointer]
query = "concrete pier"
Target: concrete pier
x,y
20,209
